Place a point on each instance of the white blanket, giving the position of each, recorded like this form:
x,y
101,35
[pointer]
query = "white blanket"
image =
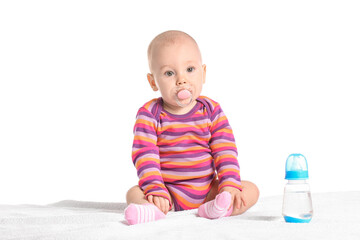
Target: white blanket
x,y
336,216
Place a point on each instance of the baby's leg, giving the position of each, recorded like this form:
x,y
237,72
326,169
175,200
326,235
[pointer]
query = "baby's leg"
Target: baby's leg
x,y
250,194
136,195
217,208
139,210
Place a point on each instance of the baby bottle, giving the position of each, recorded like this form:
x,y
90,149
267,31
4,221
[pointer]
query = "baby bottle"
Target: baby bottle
x,y
297,204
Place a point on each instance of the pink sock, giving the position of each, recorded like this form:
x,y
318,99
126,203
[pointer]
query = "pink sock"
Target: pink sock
x,y
216,208
136,213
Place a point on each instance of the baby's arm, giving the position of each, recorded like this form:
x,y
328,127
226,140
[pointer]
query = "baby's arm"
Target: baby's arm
x,y
224,150
145,155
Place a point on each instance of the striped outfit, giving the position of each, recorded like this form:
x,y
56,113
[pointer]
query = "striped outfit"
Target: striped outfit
x,y
178,156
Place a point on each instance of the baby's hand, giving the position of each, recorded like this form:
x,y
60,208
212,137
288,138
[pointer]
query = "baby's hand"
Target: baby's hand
x,y
162,203
237,197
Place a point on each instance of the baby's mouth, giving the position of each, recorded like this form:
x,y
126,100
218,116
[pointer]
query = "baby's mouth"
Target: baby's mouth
x,y
182,96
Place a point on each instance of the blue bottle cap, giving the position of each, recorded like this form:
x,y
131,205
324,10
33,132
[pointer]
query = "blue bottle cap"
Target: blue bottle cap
x,y
296,167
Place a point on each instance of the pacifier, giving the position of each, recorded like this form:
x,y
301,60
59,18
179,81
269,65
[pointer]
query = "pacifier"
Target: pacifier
x,y
183,95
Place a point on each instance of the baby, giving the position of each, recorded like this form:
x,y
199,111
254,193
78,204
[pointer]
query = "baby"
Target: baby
x,y
184,149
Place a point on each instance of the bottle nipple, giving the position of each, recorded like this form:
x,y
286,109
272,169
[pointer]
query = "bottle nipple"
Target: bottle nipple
x,y
296,167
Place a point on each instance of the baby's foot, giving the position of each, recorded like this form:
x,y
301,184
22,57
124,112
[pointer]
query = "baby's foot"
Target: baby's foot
x,y
136,213
217,208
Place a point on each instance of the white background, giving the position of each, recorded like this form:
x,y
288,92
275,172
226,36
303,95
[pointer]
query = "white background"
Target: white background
x,y
73,75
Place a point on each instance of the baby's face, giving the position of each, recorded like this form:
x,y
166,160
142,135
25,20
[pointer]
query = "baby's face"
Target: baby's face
x,y
175,67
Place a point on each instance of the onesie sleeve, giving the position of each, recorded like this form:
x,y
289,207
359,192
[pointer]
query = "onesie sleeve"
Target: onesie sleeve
x,y
224,151
145,155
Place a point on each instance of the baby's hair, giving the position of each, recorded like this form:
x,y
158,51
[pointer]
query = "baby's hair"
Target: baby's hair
x,y
168,37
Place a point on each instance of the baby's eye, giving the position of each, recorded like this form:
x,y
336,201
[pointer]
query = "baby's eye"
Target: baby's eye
x,y
190,69
169,73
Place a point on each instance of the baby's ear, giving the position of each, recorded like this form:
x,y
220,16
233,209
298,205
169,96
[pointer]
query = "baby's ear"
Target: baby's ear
x,y
204,72
152,82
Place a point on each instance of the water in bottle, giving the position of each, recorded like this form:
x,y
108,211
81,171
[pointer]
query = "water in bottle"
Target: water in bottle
x,y
297,204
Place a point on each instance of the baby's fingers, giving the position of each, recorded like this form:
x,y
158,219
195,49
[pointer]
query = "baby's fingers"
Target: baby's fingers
x,y
151,199
243,201
160,202
238,201
157,202
167,206
162,205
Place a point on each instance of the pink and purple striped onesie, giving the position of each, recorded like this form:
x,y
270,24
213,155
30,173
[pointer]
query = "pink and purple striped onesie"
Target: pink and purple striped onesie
x,y
179,156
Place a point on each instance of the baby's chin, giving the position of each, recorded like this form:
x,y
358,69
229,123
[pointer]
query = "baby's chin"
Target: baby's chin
x,y
176,107
184,102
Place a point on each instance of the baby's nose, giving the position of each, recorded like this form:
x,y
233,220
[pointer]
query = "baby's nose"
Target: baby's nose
x,y
181,81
